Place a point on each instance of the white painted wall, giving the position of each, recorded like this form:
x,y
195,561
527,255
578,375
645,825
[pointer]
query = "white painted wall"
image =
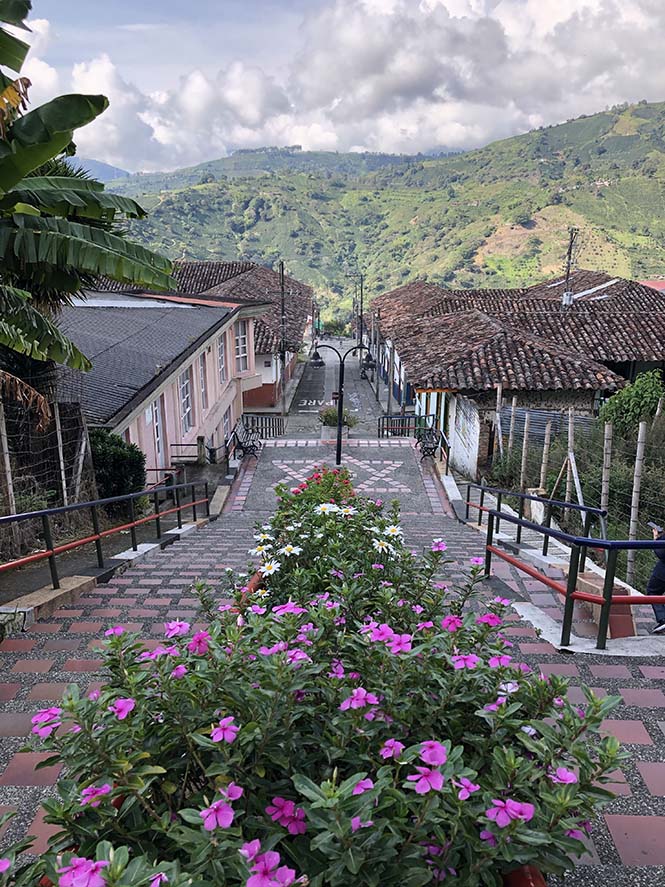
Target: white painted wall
x,y
465,426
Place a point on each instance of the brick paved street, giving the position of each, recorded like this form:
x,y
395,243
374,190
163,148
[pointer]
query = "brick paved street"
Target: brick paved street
x,y
36,666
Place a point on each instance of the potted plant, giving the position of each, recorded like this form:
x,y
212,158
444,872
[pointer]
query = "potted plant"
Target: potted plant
x,y
328,418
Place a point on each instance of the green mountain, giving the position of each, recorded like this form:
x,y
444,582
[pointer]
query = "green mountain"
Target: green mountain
x,y
101,171
496,216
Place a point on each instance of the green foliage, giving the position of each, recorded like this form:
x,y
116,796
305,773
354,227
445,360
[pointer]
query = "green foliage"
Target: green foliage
x,y
634,403
290,709
328,417
119,466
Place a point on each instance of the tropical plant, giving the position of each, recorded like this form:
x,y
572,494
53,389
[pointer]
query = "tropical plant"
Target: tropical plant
x,y
56,231
353,721
637,401
119,466
328,417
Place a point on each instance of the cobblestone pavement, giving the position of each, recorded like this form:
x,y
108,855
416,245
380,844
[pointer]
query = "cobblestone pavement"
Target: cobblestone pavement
x,y
37,666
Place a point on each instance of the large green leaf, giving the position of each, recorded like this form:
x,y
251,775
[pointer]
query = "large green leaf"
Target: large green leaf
x,y
15,12
70,196
35,246
27,331
44,133
12,51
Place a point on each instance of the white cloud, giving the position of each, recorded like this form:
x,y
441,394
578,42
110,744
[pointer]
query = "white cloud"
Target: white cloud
x,y
389,75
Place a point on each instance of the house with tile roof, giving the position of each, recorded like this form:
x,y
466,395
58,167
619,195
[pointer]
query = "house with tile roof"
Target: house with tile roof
x,y
450,350
220,283
164,373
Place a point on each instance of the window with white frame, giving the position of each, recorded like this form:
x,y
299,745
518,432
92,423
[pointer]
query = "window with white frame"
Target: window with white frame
x,y
186,409
242,361
203,378
221,358
226,424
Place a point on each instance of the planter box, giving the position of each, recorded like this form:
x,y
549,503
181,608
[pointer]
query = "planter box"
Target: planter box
x,y
525,876
328,432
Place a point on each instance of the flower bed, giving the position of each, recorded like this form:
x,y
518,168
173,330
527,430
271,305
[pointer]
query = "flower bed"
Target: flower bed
x,y
354,721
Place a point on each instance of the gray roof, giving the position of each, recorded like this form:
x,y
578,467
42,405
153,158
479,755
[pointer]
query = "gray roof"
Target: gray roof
x,y
133,344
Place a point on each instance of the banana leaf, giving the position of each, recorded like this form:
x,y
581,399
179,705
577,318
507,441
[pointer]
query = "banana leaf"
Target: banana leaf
x,y
61,196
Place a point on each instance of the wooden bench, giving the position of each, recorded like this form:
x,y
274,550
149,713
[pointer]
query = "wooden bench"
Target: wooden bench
x,y
246,442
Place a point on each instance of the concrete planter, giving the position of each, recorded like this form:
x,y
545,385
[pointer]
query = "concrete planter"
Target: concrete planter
x,y
329,432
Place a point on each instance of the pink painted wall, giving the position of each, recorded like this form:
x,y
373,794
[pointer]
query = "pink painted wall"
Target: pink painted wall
x,y
160,415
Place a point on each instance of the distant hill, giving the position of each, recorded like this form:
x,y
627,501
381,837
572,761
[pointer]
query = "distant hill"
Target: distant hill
x,y
101,171
496,216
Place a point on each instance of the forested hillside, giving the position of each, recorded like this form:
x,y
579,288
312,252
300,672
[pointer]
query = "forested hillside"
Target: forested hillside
x,y
496,216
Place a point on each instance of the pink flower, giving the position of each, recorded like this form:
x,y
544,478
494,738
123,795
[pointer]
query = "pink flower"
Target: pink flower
x,y
502,601
426,779
563,776
159,879
382,632
279,647
232,792
465,660
93,794
439,545
466,788
199,643
490,619
218,815
378,567
494,706
288,607
400,643
432,752
297,657
289,816
4,864
258,610
175,628
337,574
115,630
451,623
359,698
223,608
264,870
500,661
93,695
45,721
363,786
337,669
423,626
488,837
357,823
122,707
392,748
82,872
179,671
476,561
46,714
225,731
160,650
417,609
250,850
504,812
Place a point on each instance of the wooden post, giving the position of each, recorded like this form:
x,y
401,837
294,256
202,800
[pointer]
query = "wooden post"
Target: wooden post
x,y
546,454
61,453
391,376
635,501
659,410
6,462
78,471
511,433
525,448
571,446
497,424
607,464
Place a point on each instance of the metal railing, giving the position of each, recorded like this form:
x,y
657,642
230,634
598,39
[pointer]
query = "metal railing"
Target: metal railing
x,y
403,426
267,425
579,546
51,551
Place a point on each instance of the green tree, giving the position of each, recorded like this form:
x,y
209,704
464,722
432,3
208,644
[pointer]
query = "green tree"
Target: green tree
x,y
57,232
634,403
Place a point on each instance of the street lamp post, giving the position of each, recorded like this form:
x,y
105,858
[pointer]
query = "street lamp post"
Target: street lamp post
x,y
317,361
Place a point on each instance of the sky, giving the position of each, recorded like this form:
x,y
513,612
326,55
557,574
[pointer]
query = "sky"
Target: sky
x,y
189,82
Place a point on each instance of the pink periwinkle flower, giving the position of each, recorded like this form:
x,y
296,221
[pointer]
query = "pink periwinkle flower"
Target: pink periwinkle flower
x,y
337,669
225,731
466,788
279,647
82,872
93,794
4,864
378,567
268,873
451,623
494,706
199,643
488,837
46,720
423,626
426,779
297,657
179,671
364,785
505,812
357,823
501,601
417,609
439,545
563,776
476,561
158,879
500,661
218,815
288,607
122,707
465,660
433,752
256,609
359,698
392,748
232,792
382,632
490,619
289,816
337,574
175,628
114,630
250,850
93,695
400,643
224,608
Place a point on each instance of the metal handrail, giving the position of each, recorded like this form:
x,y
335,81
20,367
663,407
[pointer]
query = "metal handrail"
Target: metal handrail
x,y
558,503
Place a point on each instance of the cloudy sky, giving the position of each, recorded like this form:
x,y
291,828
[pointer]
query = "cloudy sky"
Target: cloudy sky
x,y
192,81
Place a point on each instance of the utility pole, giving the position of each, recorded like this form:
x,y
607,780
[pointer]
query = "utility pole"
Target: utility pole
x,y
568,295
282,349
360,318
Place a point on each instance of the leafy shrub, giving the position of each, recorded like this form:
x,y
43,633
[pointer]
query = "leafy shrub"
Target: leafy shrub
x,y
634,403
353,721
328,417
119,466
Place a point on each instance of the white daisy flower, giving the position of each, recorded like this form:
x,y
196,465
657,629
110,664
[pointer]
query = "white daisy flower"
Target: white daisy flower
x,y
394,531
260,550
327,508
262,593
288,550
318,535
269,568
381,545
348,510
263,537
